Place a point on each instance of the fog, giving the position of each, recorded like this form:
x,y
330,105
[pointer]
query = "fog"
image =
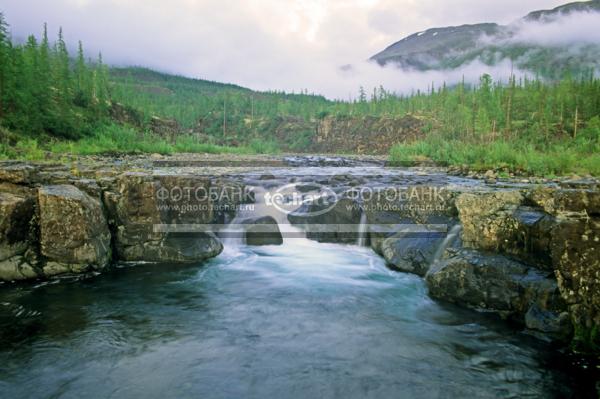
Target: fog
x,y
269,44
571,29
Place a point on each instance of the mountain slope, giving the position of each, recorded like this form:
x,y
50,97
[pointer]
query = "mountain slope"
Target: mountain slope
x,y
489,43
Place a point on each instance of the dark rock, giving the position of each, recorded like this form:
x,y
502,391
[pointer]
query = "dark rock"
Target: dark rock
x,y
325,222
16,213
262,231
554,325
412,252
267,176
177,248
493,283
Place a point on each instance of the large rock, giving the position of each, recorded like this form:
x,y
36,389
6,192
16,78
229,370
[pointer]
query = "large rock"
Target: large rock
x,y
175,248
262,231
487,218
16,212
325,223
494,283
392,209
501,222
552,228
575,252
155,216
412,251
74,235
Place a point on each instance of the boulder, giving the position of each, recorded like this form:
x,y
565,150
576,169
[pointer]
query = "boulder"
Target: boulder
x,y
390,210
262,231
412,252
175,248
73,231
325,222
493,283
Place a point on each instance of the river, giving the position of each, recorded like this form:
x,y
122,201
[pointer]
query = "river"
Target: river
x,y
300,320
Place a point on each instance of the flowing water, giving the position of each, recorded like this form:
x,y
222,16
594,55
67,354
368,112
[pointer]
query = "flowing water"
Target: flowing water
x,y
300,320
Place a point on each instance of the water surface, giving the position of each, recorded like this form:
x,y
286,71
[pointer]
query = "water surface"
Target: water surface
x,y
302,320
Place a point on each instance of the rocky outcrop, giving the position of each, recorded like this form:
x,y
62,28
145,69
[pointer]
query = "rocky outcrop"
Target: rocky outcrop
x,y
527,253
575,256
93,218
555,229
496,283
367,134
73,231
166,128
262,231
157,217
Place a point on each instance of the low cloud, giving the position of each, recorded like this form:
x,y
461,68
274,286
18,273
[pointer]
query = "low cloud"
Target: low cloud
x,y
288,45
574,28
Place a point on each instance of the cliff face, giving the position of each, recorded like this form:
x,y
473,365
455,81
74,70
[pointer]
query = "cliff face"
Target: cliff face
x,y
365,135
347,134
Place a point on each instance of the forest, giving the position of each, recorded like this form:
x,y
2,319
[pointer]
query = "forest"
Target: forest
x,y
52,101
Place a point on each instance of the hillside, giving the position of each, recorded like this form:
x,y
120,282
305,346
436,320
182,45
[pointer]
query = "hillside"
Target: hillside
x,y
490,43
54,104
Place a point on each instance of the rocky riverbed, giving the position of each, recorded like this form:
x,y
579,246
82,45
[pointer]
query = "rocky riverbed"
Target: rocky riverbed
x,y
527,252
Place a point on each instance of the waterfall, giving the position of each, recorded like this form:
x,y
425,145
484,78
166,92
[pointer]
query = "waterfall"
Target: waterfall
x,y
233,233
361,241
449,240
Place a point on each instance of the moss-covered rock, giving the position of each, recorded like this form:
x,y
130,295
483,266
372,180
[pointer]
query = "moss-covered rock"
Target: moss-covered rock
x,y
73,231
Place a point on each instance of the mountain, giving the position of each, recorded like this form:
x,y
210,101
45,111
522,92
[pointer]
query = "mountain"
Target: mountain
x,y
490,43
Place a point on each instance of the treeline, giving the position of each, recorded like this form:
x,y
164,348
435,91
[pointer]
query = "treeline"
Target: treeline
x,y
527,109
519,109
45,91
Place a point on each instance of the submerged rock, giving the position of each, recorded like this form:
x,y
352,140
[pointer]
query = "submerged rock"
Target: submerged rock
x,y
552,325
74,235
262,231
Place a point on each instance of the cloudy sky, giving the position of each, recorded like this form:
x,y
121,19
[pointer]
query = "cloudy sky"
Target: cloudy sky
x,y
262,44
